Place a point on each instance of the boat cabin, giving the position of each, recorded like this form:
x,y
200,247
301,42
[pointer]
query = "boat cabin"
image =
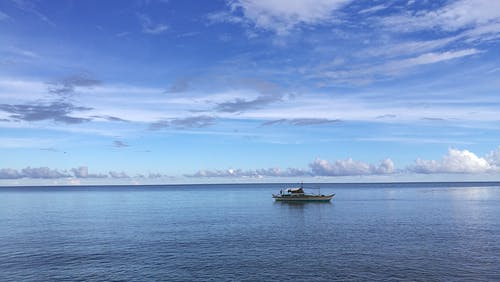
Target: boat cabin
x,y
298,190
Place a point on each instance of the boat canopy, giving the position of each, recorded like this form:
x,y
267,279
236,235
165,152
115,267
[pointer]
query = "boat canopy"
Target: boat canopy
x,y
295,190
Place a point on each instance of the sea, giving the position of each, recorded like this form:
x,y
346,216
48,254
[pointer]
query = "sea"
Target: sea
x,y
368,232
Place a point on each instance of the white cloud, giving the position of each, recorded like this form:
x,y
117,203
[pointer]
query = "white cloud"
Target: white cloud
x,y
374,9
31,8
156,29
493,157
18,52
281,16
350,167
458,15
465,13
83,172
146,105
392,68
319,167
118,174
257,173
224,17
9,173
455,161
396,49
43,172
430,58
485,32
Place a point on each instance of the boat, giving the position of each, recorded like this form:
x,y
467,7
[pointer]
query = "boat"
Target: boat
x,y
297,194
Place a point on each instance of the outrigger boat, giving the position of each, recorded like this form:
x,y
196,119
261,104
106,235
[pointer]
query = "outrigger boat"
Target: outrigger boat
x,y
297,194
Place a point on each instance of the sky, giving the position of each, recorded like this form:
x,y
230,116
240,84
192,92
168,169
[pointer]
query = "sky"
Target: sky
x,y
158,92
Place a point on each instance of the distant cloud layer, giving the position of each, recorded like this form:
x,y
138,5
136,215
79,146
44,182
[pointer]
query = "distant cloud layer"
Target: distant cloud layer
x,y
455,162
48,173
319,167
350,167
257,173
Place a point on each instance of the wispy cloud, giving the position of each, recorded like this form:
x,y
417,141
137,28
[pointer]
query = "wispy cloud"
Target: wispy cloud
x,y
392,48
392,68
106,103
374,9
224,17
4,16
302,121
386,116
179,85
472,19
31,7
120,144
109,118
56,111
66,85
27,142
182,123
240,105
269,93
279,16
122,34
430,58
149,27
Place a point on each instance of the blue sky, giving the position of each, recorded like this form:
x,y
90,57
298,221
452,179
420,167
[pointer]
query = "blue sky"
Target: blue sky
x,y
247,91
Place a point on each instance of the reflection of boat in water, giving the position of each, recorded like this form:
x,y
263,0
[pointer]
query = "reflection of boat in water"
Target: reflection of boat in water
x,y
297,194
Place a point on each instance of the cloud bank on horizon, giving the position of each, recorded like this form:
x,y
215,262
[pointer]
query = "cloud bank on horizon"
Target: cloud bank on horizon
x,y
263,87
456,162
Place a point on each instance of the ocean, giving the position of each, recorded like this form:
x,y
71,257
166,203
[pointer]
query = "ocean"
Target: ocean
x,y
369,232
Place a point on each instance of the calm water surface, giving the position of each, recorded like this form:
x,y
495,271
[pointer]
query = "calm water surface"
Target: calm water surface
x,y
428,232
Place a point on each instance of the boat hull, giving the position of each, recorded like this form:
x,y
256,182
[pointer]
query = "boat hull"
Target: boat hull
x,y
308,198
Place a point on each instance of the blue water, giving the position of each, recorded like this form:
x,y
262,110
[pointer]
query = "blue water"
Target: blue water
x,y
428,232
